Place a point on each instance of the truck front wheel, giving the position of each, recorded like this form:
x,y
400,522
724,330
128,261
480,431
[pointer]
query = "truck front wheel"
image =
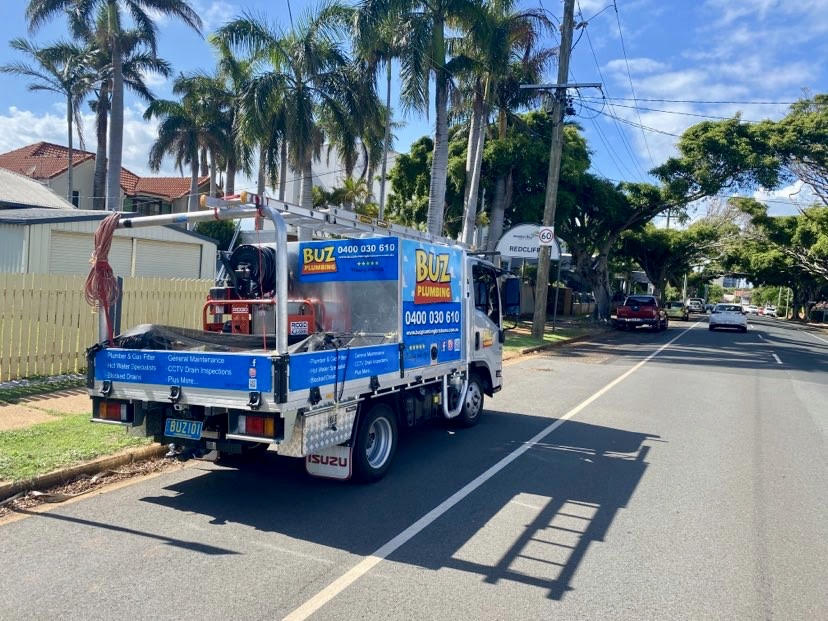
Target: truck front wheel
x,y
473,407
376,442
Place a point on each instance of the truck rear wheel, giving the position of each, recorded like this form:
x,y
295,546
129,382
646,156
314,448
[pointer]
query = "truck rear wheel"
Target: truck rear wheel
x,y
473,407
375,444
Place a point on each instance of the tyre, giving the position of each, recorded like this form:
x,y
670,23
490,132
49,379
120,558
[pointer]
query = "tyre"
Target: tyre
x,y
666,324
376,443
742,330
473,407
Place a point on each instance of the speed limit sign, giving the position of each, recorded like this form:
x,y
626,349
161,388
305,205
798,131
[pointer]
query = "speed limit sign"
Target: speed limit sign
x,y
546,236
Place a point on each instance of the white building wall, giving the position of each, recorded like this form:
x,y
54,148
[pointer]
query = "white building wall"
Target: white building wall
x,y
83,180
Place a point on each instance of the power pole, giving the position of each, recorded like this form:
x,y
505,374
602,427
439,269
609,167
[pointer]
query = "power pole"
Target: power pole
x,y
551,202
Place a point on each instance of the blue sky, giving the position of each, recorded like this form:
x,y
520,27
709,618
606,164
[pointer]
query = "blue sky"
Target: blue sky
x,y
694,50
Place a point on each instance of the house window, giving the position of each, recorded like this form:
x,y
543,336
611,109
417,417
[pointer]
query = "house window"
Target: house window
x,y
75,198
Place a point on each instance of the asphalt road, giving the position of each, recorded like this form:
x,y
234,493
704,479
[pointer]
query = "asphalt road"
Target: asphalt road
x,y
690,484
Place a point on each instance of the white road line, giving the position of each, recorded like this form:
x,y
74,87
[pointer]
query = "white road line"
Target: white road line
x,y
369,562
759,334
775,357
819,338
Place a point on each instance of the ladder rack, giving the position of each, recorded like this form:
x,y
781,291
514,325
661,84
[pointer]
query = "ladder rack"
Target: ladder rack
x,y
334,221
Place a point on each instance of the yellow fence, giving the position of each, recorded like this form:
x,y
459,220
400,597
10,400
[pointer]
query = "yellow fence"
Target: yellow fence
x,y
46,325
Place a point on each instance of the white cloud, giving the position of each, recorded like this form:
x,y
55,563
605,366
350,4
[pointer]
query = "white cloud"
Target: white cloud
x,y
637,66
215,13
153,80
19,127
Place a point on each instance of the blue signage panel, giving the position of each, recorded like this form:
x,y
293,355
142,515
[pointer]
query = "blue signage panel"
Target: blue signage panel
x,y
432,310
373,258
322,368
186,369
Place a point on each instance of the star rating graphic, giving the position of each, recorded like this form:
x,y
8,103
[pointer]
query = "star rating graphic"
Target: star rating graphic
x,y
367,263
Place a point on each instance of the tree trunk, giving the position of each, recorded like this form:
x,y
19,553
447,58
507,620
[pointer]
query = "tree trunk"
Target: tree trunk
x,y
283,166
260,181
386,145
599,279
473,167
439,163
230,176
306,191
213,171
471,142
116,128
192,200
205,167
101,122
497,213
69,171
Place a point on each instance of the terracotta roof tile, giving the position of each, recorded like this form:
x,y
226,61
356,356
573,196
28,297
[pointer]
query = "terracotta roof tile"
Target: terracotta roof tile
x,y
167,187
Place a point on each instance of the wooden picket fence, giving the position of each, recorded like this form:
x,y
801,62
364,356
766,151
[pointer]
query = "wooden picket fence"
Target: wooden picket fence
x,y
46,325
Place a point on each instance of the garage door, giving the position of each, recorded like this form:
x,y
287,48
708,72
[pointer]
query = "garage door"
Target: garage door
x,y
168,259
69,254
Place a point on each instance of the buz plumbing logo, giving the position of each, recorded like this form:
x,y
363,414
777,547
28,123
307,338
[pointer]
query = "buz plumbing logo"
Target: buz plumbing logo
x,y
318,260
433,279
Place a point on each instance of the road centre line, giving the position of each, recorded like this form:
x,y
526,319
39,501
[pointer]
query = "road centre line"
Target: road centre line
x,y
819,338
336,587
775,357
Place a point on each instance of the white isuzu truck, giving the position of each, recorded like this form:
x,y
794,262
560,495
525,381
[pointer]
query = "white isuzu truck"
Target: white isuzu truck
x,y
323,350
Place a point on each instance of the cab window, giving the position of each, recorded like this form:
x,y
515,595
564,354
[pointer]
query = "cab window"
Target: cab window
x,y
486,297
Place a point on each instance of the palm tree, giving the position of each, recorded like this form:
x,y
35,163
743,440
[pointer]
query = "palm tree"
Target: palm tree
x,y
140,11
378,43
138,61
306,74
207,98
60,68
423,49
180,136
499,38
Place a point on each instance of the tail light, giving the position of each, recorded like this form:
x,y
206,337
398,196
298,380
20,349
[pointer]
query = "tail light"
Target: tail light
x,y
258,426
112,411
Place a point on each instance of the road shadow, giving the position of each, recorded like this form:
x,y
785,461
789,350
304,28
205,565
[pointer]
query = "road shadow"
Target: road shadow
x,y
580,469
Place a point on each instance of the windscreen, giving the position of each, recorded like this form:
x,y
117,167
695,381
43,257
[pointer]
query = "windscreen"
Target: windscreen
x,y
640,301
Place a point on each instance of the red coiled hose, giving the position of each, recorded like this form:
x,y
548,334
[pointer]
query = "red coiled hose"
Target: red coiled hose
x,y
101,289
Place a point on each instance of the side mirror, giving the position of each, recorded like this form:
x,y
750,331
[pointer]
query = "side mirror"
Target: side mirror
x,y
511,297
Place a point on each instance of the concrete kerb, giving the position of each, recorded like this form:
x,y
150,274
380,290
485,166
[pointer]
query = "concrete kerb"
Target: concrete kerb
x,y
65,475
575,339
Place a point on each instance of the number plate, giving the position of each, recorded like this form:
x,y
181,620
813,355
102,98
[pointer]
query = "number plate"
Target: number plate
x,y
178,428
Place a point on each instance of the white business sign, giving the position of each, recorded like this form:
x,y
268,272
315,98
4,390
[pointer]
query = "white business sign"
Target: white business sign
x,y
524,242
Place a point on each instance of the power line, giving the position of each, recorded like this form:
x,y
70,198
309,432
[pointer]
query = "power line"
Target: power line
x,y
708,102
605,90
629,76
677,112
633,124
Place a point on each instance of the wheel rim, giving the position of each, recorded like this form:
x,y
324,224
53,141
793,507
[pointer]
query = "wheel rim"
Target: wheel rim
x,y
474,401
378,444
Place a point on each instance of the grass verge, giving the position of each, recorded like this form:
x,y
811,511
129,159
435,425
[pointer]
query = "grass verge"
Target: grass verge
x,y
44,447
15,393
521,338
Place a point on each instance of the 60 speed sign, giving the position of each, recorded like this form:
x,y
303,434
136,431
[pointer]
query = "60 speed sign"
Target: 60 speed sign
x,y
546,236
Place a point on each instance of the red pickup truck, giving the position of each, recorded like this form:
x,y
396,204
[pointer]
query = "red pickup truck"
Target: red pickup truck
x,y
640,310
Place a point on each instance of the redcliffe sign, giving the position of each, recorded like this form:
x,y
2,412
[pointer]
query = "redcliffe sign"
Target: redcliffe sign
x,y
522,242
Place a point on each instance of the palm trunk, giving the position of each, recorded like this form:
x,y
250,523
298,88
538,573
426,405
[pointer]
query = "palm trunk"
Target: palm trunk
x,y
306,191
439,163
386,145
470,211
497,213
471,143
213,171
283,165
260,182
69,171
116,133
205,168
192,199
230,176
102,119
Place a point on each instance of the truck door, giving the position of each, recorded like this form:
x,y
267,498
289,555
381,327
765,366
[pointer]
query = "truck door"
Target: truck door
x,y
486,321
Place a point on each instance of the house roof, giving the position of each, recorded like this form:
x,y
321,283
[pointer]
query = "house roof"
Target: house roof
x,y
46,160
166,187
18,190
37,215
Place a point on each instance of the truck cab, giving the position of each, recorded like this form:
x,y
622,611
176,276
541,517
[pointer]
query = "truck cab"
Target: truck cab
x,y
485,333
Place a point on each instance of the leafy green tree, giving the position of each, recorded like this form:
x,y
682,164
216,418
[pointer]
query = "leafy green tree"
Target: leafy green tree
x,y
219,230
38,12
